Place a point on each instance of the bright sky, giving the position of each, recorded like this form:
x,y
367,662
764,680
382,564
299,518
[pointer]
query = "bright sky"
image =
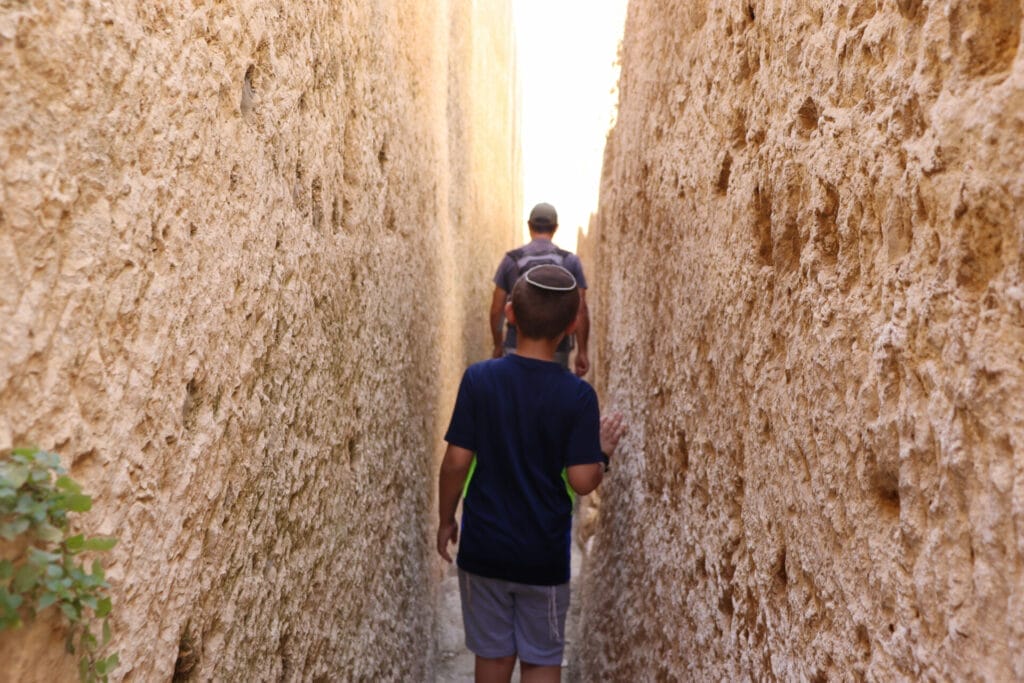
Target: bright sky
x,y
568,70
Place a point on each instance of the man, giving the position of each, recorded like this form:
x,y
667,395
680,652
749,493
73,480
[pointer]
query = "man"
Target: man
x,y
540,250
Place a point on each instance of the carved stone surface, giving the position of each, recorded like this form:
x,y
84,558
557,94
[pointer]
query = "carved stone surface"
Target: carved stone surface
x,y
808,290
234,238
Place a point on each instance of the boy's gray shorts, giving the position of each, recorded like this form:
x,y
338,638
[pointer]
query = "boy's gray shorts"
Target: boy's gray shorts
x,y
503,618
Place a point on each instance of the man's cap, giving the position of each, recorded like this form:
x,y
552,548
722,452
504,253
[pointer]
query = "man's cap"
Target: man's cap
x,y
551,278
543,216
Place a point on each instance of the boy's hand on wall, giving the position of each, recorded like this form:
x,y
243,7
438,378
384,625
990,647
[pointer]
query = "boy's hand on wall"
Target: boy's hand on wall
x,y
612,428
447,532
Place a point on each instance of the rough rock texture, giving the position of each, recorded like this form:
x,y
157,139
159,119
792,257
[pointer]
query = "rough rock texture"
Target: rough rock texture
x,y
810,306
232,237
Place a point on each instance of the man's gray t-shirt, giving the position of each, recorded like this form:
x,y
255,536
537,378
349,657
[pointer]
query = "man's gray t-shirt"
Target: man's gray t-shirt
x,y
535,253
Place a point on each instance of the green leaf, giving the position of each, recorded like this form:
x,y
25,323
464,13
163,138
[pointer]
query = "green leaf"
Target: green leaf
x,y
45,600
11,530
111,662
54,571
11,620
70,611
99,543
11,601
13,475
49,533
26,577
97,570
41,557
66,483
49,459
6,570
25,503
74,543
77,502
90,602
106,633
103,607
88,641
25,451
39,512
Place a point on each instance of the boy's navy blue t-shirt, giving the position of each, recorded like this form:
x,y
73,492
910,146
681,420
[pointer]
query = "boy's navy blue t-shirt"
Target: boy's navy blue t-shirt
x,y
526,420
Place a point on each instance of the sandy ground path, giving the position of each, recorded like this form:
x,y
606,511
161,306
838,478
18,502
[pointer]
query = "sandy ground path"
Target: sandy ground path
x,y
455,662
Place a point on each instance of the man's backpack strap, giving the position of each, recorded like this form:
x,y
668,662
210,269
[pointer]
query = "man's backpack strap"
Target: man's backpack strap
x,y
556,256
517,254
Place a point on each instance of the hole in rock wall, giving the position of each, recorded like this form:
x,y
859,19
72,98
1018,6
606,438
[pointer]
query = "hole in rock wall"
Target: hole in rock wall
x,y
190,405
316,199
681,456
699,570
335,215
188,657
826,215
883,480
808,115
786,246
864,641
725,601
780,575
725,169
761,227
247,102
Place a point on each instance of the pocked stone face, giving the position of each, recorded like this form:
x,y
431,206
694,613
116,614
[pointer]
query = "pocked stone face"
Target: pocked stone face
x,y
233,238
808,298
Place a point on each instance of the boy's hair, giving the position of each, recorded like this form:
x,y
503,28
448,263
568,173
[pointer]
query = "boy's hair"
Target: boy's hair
x,y
545,301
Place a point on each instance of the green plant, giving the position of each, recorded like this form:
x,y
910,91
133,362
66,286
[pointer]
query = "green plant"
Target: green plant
x,y
36,497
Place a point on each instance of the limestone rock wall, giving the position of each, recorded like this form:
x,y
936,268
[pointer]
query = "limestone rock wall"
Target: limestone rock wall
x,y
231,241
810,307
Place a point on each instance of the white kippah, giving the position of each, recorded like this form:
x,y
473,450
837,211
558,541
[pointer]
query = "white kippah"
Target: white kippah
x,y
551,277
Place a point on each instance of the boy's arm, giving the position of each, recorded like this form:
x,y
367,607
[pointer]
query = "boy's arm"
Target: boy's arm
x,y
454,469
585,478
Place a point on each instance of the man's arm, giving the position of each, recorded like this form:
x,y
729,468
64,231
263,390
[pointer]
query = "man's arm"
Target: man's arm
x,y
454,469
497,318
582,336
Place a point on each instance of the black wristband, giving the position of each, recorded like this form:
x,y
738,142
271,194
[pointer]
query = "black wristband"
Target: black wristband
x,y
607,461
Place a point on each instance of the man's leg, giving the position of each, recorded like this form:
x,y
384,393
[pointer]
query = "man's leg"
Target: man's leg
x,y
531,673
495,670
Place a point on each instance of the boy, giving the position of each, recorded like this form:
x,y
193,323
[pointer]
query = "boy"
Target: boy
x,y
535,430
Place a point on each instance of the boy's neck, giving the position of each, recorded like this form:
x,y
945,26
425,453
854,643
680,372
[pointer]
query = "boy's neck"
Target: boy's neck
x,y
539,349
